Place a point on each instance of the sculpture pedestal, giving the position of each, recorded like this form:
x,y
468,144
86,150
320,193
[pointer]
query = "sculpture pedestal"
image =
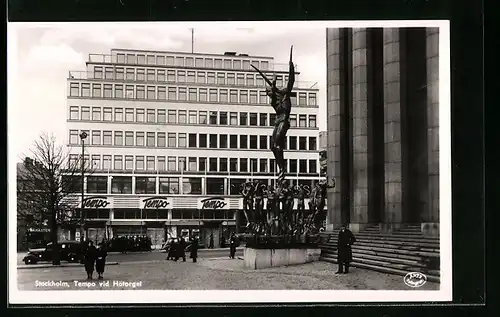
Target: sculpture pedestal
x,y
260,258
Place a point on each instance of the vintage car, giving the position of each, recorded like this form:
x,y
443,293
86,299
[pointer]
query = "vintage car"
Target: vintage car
x,y
70,251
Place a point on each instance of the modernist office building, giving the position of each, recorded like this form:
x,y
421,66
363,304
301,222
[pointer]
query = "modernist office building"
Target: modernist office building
x,y
383,127
173,135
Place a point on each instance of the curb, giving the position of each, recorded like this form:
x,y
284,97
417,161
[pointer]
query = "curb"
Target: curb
x,y
48,266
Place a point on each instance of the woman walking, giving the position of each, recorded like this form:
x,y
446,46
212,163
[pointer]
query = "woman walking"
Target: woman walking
x,y
89,259
100,262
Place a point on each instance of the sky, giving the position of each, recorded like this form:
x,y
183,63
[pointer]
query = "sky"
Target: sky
x,y
40,56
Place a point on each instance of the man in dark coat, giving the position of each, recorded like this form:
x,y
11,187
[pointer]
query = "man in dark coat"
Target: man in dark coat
x,y
344,256
181,250
172,249
100,261
89,257
211,242
194,249
232,246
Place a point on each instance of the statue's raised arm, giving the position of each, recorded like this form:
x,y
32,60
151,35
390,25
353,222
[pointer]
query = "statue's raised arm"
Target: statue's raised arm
x,y
291,73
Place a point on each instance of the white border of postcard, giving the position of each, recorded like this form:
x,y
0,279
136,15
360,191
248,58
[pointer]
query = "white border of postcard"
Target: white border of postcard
x,y
263,296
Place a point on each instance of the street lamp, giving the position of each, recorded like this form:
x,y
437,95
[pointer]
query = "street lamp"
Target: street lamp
x,y
83,136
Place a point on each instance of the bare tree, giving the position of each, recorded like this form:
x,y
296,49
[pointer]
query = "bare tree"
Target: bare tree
x,y
46,181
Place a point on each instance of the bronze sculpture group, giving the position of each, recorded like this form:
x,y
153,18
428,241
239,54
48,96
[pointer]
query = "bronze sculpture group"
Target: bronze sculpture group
x,y
270,212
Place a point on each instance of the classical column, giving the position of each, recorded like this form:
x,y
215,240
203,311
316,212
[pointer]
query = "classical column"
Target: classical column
x,y
392,131
359,215
430,224
334,198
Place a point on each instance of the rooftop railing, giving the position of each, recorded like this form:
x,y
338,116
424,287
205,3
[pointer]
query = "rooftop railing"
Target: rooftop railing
x,y
113,76
163,62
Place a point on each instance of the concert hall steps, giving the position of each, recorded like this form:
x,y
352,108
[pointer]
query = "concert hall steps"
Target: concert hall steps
x,y
400,252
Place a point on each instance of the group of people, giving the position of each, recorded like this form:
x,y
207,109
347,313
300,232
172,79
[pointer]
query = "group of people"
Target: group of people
x,y
177,249
278,216
94,258
126,244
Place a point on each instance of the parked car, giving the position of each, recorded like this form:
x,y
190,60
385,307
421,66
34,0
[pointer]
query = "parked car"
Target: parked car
x,y
166,246
70,251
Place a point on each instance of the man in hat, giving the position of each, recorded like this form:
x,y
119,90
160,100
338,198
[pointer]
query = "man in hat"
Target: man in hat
x,y
344,251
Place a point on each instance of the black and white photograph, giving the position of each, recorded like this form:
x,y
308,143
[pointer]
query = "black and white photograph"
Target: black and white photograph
x,y
229,162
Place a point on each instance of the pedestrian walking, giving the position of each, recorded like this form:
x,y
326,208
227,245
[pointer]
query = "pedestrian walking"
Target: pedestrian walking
x,y
211,242
232,246
100,261
89,259
181,250
172,249
344,250
194,249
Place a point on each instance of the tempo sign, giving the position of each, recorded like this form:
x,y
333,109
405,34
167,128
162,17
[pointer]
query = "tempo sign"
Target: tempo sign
x,y
214,203
97,202
156,203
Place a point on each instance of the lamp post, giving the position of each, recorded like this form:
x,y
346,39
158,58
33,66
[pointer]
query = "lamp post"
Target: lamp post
x,y
83,136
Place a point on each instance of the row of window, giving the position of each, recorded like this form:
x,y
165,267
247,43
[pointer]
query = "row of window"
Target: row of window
x,y
182,61
182,76
182,94
156,214
173,116
191,140
193,164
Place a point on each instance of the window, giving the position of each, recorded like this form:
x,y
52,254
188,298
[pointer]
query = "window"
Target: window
x,y
85,90
243,164
129,162
250,80
253,142
107,114
161,163
171,76
191,186
243,96
121,185
213,95
313,167
246,65
230,79
312,143
182,116
209,63
203,140
182,164
169,185
73,89
170,60
96,162
213,117
172,116
264,65
193,95
181,76
145,185
140,74
140,92
203,117
293,99
107,138
253,118
160,75
233,165
263,97
130,74
253,96
162,92
218,63
302,98
263,142
119,138
139,163
223,118
161,139
201,78
120,75
160,60
293,120
182,94
151,93
151,115
263,119
210,78
108,91
118,91
237,64
192,164
129,115
139,115
233,96
150,139
161,116
221,79
85,113
223,141
293,165
96,137
98,72
233,141
292,144
150,75
243,142
279,81
129,138
172,164
243,118
191,77
151,60
120,58
106,162
222,164
272,119
312,99
213,164
202,164
223,95
259,82
189,62
141,59
118,162
263,165
213,141
96,91
172,93
97,184
172,140
302,166
73,113
182,140
302,143
312,121
240,79
302,120
199,62
73,137
193,116
139,139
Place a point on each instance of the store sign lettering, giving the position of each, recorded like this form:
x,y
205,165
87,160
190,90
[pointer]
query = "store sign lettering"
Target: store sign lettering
x,y
213,203
95,202
155,202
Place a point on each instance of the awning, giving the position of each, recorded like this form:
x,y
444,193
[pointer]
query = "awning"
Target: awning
x,y
126,223
184,222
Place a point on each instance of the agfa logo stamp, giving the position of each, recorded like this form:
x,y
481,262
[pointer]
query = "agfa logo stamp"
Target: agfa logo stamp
x,y
415,279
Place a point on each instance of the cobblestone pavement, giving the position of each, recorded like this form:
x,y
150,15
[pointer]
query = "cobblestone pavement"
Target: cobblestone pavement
x,y
211,274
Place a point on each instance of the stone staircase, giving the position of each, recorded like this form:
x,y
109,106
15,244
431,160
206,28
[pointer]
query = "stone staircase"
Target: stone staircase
x,y
400,252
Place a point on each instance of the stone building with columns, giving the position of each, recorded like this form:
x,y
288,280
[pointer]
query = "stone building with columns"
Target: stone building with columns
x,y
383,128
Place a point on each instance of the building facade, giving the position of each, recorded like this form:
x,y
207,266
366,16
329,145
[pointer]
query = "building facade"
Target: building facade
x,y
383,127
172,135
